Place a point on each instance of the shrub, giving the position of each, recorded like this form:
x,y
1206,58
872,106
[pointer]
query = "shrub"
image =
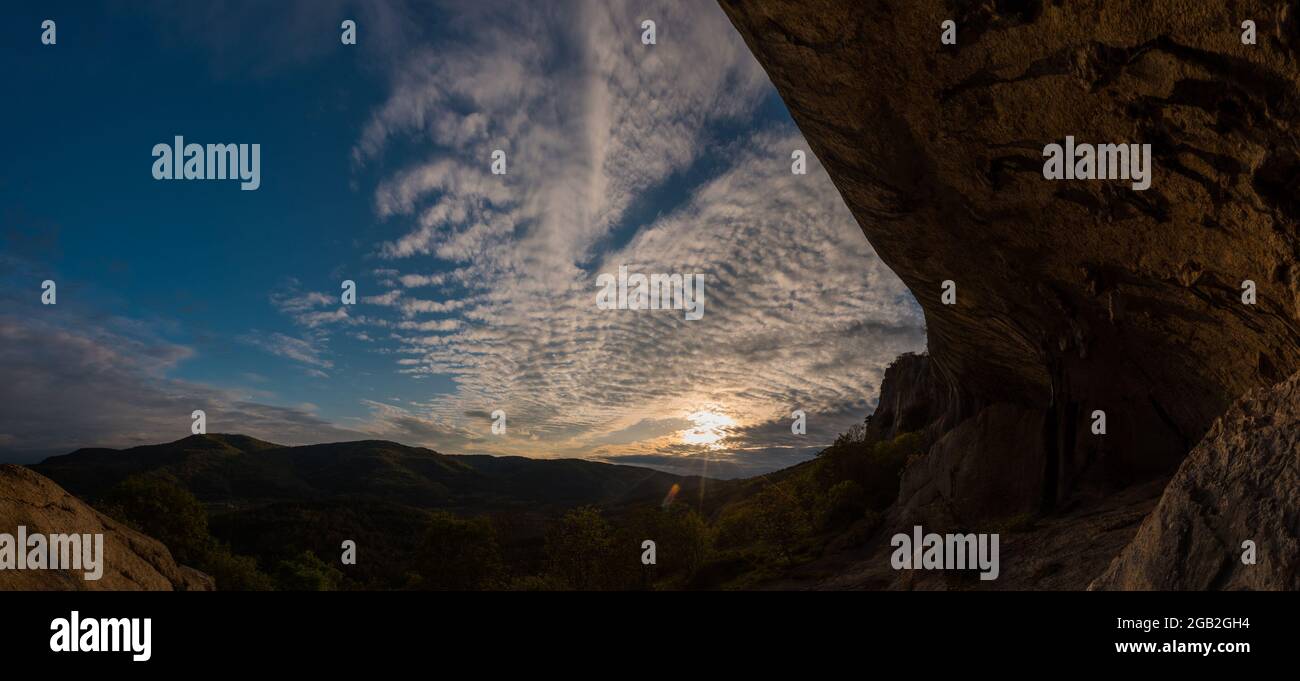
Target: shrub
x,y
580,550
780,521
844,503
306,572
458,554
736,527
235,573
164,511
160,509
680,534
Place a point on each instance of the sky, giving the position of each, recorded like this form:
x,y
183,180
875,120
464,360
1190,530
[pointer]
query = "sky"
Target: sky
x,y
476,292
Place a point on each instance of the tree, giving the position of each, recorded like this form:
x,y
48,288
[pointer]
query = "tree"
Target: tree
x,y
235,573
171,514
780,521
307,572
458,554
580,550
164,511
689,536
681,539
844,503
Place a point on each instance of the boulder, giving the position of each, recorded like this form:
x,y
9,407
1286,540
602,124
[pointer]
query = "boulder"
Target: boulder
x,y
131,561
1241,483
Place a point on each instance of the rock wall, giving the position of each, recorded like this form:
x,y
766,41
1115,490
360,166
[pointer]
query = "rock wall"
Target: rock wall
x,y
911,400
131,561
1072,296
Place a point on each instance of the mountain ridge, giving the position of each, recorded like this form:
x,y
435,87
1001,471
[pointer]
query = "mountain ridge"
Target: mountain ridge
x,y
258,515
226,468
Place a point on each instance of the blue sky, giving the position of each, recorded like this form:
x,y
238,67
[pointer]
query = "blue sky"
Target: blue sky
x,y
476,291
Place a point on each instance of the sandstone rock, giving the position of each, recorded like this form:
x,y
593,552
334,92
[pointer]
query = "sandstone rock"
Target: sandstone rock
x,y
1242,482
911,400
131,561
1072,295
1063,552
980,469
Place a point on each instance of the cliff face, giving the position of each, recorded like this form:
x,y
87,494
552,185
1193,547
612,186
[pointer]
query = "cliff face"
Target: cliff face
x,y
1072,295
911,400
130,560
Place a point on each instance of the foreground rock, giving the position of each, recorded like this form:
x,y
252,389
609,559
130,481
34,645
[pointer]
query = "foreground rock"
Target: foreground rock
x,y
986,467
1076,295
1241,483
131,561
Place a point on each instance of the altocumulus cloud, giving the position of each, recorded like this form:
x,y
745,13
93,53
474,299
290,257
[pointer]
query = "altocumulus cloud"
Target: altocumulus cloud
x,y
664,158
87,383
490,279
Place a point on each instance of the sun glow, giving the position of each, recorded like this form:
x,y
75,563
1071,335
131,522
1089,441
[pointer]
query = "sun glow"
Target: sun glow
x,y
710,428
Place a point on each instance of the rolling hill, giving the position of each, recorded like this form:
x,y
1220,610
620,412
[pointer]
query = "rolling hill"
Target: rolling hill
x,y
236,471
270,503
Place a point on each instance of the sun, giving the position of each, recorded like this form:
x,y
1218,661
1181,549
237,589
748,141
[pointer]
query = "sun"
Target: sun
x,y
710,428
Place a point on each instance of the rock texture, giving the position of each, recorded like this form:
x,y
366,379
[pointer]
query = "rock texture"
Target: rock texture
x,y
1072,296
1062,552
979,469
1241,483
131,561
912,399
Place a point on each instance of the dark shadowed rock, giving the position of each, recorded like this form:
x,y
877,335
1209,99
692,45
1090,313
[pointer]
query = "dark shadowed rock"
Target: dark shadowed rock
x,y
911,400
1062,552
980,469
1242,482
1072,296
131,561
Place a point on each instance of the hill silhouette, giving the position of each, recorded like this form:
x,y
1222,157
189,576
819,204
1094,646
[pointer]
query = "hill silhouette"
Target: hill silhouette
x,y
258,515
238,471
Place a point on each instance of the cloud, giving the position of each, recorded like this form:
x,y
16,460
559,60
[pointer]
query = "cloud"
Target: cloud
x,y
296,349
644,429
296,302
305,307
722,466
618,154
431,325
662,158
388,298
88,384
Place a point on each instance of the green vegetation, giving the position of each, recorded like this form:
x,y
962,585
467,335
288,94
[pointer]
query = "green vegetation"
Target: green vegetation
x,y
793,516
306,572
160,509
744,533
458,554
586,551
